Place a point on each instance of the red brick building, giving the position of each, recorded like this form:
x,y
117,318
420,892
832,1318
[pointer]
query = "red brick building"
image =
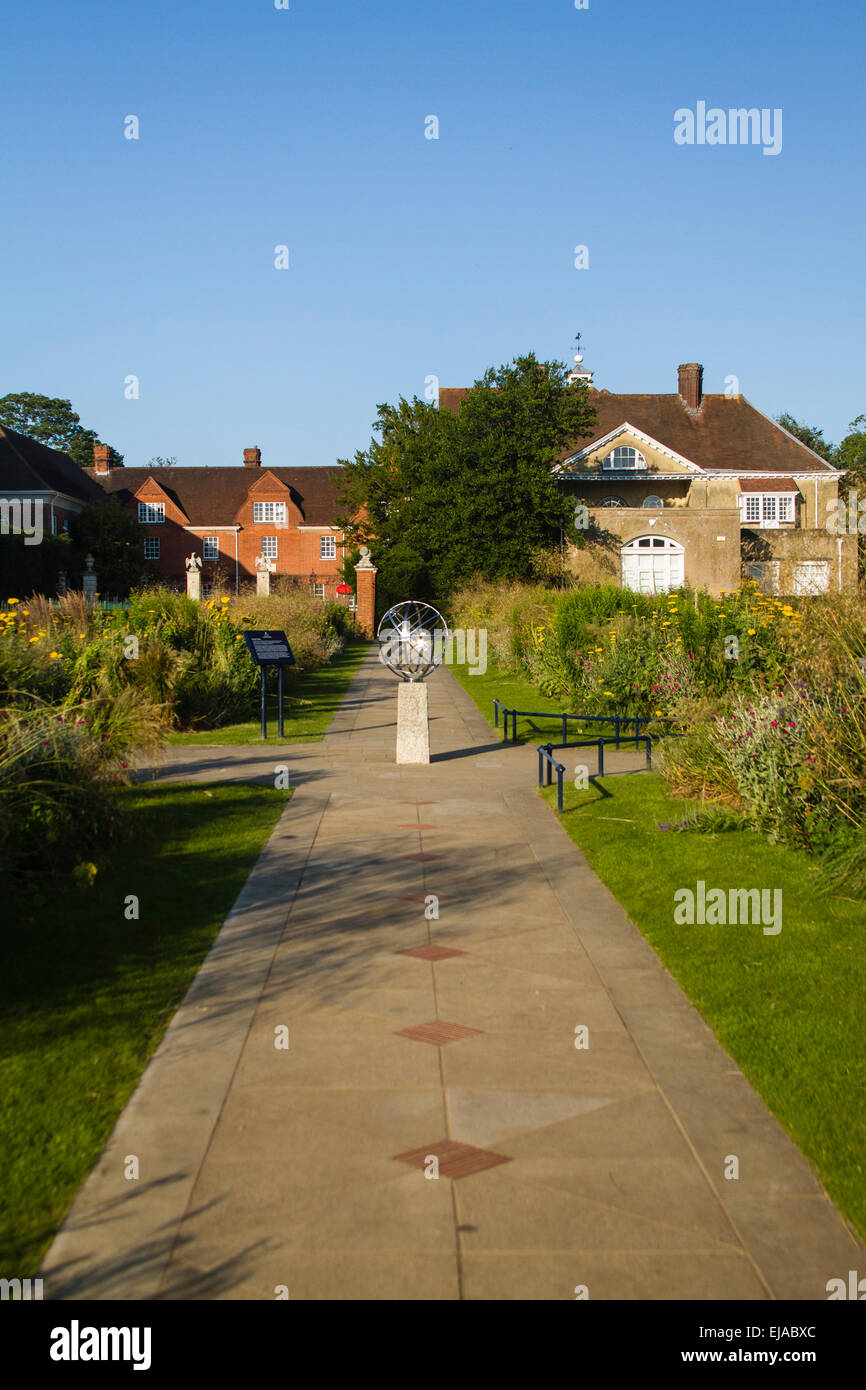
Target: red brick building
x,y
230,515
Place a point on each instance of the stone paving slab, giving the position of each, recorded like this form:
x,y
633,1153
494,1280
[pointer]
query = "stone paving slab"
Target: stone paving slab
x,y
308,1166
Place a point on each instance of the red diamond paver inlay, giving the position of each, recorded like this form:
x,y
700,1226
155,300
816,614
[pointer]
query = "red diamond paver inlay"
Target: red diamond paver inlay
x,y
438,1032
455,1160
430,952
422,856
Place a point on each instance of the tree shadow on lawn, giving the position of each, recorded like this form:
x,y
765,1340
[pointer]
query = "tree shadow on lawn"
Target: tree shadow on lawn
x,y
59,953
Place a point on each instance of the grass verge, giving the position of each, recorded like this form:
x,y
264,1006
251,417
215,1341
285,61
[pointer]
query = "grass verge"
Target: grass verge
x,y
788,1008
85,995
311,699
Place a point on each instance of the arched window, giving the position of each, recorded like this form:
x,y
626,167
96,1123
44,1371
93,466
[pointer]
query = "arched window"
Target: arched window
x,y
612,502
652,565
624,457
652,501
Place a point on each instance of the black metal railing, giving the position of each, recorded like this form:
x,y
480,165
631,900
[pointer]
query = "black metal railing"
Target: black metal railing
x,y
620,722
547,764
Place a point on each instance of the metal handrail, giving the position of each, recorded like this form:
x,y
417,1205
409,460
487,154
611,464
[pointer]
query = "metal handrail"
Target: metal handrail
x,y
618,721
546,758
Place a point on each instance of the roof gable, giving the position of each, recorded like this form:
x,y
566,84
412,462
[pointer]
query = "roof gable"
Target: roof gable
x,y
152,490
607,441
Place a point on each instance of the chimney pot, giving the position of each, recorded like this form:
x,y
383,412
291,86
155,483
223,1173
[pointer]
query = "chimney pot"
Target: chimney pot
x,y
102,458
252,458
691,384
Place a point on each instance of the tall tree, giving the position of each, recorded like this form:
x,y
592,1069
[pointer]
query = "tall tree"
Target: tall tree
x,y
114,536
809,435
470,493
851,454
53,422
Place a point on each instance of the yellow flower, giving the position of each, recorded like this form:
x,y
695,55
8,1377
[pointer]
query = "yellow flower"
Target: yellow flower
x,y
225,600
658,713
752,631
55,656
12,600
34,639
666,624
609,692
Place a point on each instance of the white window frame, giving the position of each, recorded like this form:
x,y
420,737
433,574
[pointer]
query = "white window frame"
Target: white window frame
x,y
327,547
210,543
151,513
319,590
269,513
625,458
767,510
151,548
270,547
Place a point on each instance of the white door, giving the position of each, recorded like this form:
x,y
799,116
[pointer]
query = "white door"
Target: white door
x,y
652,565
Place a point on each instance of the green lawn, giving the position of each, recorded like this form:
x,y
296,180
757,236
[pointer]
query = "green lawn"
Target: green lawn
x,y
789,1007
85,995
311,699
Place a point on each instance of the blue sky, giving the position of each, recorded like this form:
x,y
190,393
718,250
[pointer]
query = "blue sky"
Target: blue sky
x,y
411,257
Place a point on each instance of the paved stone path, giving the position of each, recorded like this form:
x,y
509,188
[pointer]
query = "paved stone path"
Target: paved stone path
x,y
304,1168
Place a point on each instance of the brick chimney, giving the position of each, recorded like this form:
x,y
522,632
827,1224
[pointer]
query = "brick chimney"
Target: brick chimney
x,y
252,458
102,458
691,384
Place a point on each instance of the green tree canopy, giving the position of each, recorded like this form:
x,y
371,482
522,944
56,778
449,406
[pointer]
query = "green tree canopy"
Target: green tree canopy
x,y
809,435
470,493
851,454
53,422
112,534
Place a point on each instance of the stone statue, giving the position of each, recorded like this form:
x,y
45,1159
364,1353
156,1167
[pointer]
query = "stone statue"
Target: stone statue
x,y
193,576
88,580
264,569
365,563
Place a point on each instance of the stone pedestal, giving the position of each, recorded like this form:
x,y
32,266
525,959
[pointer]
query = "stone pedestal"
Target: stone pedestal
x,y
88,580
193,584
413,732
264,569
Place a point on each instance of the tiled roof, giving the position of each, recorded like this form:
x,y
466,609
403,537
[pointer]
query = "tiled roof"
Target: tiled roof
x,y
726,434
214,496
768,485
28,466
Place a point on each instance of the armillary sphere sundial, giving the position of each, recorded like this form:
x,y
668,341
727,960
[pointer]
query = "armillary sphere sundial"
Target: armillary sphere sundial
x,y
412,637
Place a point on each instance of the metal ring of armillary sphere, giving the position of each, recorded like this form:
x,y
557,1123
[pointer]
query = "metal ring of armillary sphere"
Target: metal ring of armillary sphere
x,y
412,637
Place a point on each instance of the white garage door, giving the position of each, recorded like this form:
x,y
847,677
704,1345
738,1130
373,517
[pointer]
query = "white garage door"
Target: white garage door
x,y
652,565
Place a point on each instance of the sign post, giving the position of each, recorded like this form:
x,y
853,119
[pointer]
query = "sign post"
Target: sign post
x,y
270,649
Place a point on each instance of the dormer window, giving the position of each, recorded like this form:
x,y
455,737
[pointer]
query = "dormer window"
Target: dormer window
x,y
151,513
624,457
269,512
